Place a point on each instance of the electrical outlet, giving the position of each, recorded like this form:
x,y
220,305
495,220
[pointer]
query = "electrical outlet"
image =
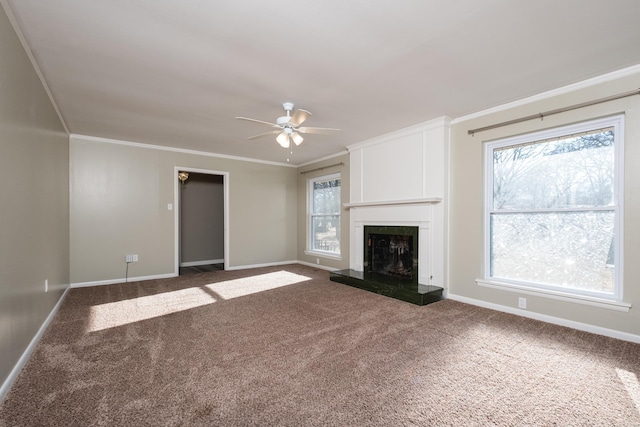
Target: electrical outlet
x,y
46,285
317,260
522,302
135,258
131,258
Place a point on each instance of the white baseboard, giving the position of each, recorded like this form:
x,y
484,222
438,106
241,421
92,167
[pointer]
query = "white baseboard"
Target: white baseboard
x,y
322,267
205,262
273,264
13,375
268,264
549,319
114,281
169,275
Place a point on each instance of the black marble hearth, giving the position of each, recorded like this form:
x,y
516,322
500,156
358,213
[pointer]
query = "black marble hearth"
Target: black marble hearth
x,y
384,284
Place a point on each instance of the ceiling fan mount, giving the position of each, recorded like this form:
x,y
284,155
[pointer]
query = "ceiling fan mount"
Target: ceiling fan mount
x,y
288,127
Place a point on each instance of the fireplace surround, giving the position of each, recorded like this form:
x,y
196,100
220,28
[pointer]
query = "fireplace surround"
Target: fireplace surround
x,y
401,179
391,250
392,258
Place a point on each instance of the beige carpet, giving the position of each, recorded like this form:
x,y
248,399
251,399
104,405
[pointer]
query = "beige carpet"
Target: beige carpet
x,y
287,347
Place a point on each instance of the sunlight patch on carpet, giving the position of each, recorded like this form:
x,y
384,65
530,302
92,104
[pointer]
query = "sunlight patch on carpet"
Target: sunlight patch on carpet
x,y
113,314
631,384
250,285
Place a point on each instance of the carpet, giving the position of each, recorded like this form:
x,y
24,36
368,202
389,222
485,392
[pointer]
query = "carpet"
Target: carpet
x,y
285,346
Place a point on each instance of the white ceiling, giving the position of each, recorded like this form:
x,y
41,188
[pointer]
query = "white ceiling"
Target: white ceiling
x,y
177,72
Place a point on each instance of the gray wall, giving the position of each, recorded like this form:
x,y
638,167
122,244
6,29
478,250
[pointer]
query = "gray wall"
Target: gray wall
x,y
466,208
303,226
201,218
119,198
34,214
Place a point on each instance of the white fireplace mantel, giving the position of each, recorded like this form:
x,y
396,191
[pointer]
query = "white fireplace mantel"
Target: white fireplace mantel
x,y
424,200
401,179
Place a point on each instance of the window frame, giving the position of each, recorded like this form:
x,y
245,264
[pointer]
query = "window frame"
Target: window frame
x,y
613,300
311,215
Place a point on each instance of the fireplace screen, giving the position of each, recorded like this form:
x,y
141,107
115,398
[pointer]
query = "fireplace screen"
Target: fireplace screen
x,y
392,251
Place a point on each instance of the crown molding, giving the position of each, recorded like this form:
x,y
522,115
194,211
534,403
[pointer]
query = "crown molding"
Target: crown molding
x,y
629,71
32,59
173,149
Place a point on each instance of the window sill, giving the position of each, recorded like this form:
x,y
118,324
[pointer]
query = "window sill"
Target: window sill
x,y
324,255
557,295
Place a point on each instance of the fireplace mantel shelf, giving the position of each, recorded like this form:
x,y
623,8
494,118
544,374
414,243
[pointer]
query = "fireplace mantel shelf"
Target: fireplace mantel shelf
x,y
424,200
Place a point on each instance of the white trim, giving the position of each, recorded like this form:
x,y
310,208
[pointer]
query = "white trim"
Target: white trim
x,y
176,212
578,295
394,202
549,319
17,368
310,215
556,295
34,63
266,264
128,280
552,93
329,255
320,266
176,150
205,262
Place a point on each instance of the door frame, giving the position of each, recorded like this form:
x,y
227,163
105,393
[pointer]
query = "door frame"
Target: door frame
x,y
178,207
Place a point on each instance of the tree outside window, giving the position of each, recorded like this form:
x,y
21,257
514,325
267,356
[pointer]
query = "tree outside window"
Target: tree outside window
x,y
324,209
553,209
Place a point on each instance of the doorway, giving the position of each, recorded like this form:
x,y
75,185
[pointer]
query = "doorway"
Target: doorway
x,y
201,218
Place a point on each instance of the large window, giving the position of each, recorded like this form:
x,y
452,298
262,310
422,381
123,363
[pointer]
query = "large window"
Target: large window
x,y
553,210
324,217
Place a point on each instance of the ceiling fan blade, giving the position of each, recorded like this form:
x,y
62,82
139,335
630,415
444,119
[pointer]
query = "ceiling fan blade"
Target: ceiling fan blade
x,y
298,117
258,121
324,131
273,132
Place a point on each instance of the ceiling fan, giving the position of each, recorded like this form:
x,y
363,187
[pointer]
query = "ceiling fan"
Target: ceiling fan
x,y
288,127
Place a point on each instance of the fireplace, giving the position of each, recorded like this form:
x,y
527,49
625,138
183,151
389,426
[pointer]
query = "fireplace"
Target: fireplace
x,y
391,250
390,263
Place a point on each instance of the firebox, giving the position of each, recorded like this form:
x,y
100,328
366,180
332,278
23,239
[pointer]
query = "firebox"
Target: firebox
x,y
391,250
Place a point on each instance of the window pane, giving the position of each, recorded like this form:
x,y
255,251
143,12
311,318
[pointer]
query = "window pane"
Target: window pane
x,y
568,250
326,233
326,196
573,171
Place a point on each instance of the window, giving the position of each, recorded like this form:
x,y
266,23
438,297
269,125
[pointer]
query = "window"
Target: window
x,y
553,219
324,217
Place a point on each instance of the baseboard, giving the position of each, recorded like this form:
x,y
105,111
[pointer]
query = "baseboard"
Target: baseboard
x,y
115,281
268,264
612,333
205,262
274,264
13,375
321,267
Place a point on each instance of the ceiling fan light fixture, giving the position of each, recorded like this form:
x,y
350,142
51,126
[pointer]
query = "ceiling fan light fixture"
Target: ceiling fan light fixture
x,y
283,140
289,127
297,138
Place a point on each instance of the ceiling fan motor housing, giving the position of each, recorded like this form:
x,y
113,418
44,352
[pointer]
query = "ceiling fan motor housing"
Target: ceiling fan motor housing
x,y
282,121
